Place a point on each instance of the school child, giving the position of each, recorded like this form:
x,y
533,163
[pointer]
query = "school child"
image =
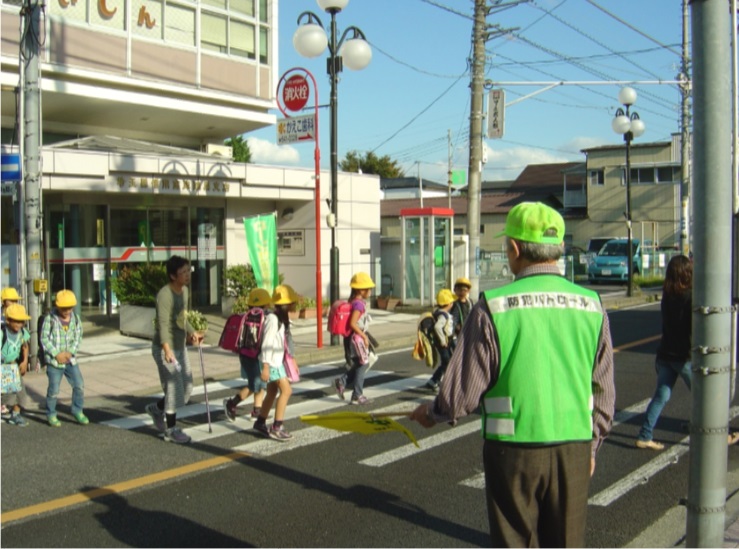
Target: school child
x,y
9,296
61,335
272,356
462,305
443,335
170,352
15,339
356,344
259,300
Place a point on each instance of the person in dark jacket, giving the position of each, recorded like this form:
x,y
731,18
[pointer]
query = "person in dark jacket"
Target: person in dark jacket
x,y
673,352
462,305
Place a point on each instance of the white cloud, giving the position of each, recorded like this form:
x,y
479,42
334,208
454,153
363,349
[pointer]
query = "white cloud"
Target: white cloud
x,y
580,143
266,152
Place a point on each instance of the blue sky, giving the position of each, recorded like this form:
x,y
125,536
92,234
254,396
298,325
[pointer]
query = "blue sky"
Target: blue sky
x,y
416,88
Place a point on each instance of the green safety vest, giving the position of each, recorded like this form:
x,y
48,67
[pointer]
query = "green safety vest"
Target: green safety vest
x,y
548,331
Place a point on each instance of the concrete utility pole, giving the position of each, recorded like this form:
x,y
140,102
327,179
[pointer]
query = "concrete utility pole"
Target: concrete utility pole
x,y
712,273
30,44
449,166
684,78
475,164
480,35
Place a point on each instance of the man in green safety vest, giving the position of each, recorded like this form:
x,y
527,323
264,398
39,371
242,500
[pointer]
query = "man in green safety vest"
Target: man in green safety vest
x,y
536,357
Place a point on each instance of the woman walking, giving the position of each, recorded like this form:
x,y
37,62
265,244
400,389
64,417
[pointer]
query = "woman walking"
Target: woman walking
x,y
169,350
356,344
673,352
272,356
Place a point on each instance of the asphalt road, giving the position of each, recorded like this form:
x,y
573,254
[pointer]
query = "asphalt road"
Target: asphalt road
x,y
122,486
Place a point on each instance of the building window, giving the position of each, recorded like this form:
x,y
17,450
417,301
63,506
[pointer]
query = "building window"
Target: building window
x,y
668,174
227,35
596,177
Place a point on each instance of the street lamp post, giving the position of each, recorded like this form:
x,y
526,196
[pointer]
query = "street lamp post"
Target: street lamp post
x,y
310,40
630,126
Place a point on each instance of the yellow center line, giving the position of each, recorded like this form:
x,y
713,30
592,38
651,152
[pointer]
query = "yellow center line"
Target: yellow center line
x,y
118,488
636,343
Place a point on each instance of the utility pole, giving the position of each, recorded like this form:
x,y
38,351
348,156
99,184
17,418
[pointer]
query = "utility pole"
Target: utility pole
x,y
481,33
31,125
475,163
685,165
711,336
449,166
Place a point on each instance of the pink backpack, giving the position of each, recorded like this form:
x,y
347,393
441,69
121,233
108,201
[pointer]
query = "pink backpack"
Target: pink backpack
x,y
232,333
338,318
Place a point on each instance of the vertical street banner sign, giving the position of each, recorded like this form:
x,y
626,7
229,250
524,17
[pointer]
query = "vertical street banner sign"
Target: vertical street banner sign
x,y
496,114
261,242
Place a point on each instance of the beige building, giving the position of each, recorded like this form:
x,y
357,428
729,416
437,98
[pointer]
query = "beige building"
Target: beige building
x,y
655,193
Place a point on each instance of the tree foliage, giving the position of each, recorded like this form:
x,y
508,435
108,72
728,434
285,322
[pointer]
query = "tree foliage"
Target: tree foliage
x,y
370,163
241,149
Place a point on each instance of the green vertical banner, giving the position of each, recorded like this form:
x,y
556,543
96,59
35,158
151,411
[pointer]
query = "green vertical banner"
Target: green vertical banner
x,y
261,241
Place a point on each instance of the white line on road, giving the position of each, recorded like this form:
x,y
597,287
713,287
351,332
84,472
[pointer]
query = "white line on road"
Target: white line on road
x,y
646,471
386,458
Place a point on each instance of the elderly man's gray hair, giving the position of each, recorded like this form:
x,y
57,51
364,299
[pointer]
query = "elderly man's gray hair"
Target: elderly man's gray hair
x,y
538,253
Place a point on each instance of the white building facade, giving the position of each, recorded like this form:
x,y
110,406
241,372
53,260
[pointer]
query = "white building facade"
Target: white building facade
x,y
137,99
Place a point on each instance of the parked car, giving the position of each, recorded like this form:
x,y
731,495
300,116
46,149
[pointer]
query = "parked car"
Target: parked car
x,y
611,263
594,246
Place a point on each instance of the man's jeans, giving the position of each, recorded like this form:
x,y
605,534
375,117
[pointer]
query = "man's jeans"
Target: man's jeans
x,y
667,374
74,375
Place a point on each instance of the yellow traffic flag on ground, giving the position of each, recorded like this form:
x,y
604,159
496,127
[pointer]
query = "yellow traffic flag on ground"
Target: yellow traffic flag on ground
x,y
358,422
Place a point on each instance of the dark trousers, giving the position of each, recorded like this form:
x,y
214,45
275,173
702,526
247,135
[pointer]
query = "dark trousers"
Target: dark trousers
x,y
537,496
445,355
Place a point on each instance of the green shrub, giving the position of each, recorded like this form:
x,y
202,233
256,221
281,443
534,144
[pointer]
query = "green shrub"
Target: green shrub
x,y
139,285
241,305
650,281
239,280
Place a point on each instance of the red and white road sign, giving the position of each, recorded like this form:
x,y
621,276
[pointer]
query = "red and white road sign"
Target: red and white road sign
x,y
295,92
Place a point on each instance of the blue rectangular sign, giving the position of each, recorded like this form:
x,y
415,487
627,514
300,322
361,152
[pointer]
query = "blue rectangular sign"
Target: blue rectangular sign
x,y
11,167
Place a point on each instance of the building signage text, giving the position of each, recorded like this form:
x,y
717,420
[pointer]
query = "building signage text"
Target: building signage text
x,y
172,184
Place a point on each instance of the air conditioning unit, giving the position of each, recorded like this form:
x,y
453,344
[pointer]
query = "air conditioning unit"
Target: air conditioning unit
x,y
218,150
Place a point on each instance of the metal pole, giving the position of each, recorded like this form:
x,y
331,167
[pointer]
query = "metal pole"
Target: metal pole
x,y
712,276
334,68
319,276
685,139
32,160
475,162
630,265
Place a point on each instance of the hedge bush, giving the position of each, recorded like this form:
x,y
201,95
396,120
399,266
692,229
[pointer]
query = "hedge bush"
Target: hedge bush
x,y
140,284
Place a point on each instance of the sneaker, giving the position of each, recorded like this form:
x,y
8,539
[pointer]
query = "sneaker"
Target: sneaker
x,y
649,444
81,418
360,400
5,412
54,421
279,433
262,428
253,415
431,385
230,408
17,419
339,388
157,416
176,435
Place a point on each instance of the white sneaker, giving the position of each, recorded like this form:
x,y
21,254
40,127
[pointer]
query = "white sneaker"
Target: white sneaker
x,y
176,435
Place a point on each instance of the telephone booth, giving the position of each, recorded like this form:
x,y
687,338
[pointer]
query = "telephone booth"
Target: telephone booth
x,y
426,253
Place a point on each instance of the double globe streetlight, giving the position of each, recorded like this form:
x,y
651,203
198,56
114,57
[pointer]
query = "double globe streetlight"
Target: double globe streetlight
x,y
352,49
630,126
